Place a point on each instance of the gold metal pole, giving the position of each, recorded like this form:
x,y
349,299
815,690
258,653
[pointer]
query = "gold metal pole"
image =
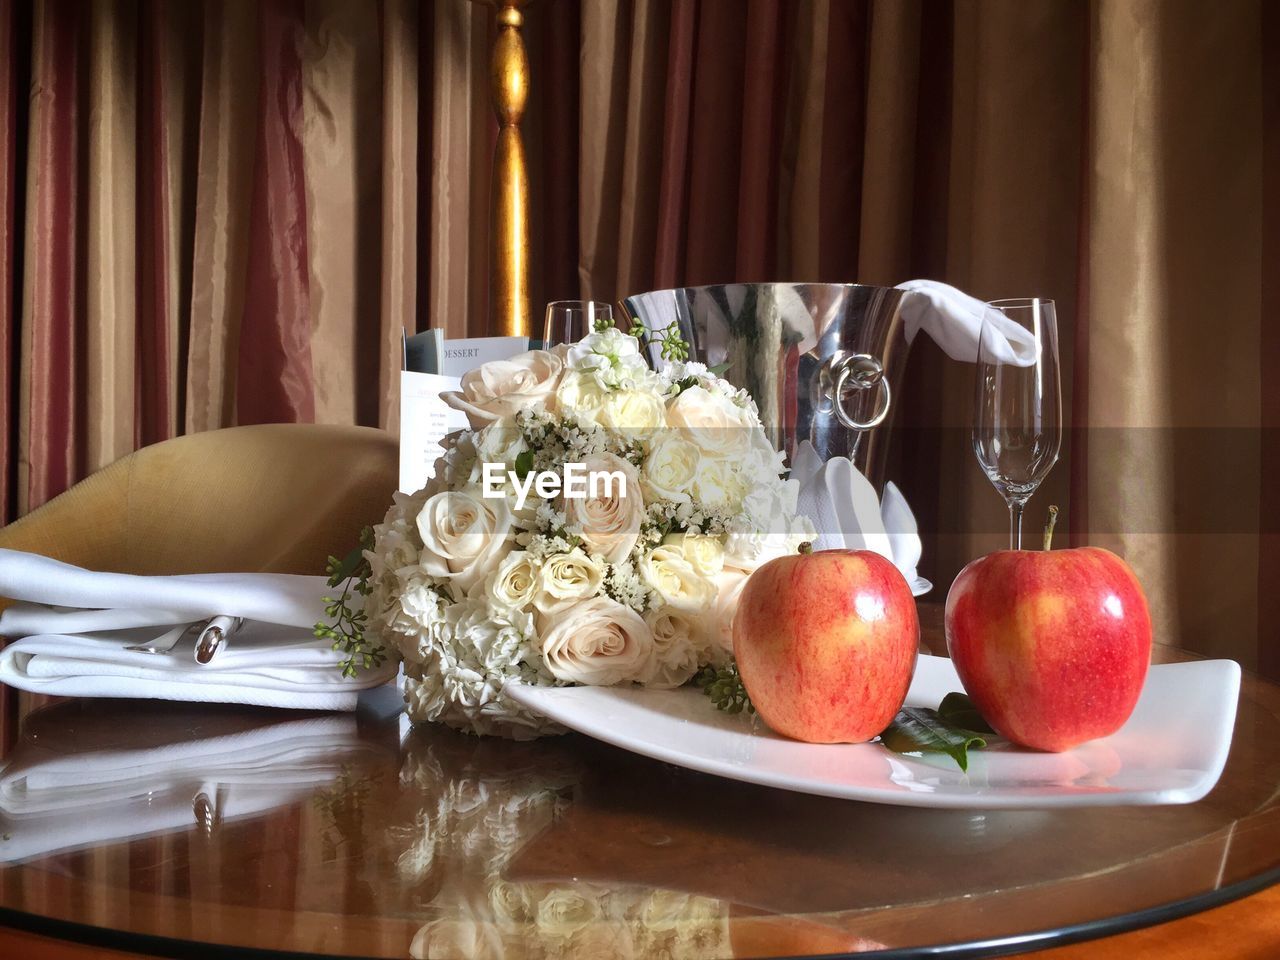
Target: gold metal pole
x,y
509,308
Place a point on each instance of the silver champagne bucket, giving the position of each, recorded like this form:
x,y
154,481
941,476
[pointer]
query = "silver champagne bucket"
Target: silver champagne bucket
x,y
823,361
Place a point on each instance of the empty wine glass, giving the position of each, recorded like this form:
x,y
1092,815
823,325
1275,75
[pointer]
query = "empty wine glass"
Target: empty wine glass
x,y
1017,419
568,321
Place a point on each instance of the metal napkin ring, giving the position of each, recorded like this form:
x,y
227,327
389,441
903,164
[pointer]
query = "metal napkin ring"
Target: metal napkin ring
x,y
213,636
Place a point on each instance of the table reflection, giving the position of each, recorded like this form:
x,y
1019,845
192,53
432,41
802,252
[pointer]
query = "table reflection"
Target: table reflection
x,y
353,834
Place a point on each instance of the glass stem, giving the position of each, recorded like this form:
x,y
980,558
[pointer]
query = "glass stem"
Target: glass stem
x,y
1015,524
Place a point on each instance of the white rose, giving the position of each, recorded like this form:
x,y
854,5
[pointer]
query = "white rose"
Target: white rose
x,y
705,552
463,536
675,580
514,582
597,641
676,641
670,467
635,414
581,393
501,388
500,442
718,483
609,523
713,422
566,578
611,356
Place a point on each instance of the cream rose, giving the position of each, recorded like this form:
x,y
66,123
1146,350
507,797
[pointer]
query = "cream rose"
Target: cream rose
x,y
718,483
713,422
463,537
676,641
501,388
500,442
705,552
675,580
609,523
670,467
581,393
635,414
566,578
514,583
597,641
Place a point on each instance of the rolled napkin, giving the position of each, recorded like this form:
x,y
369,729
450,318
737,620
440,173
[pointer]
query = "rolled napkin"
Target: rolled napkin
x,y
848,515
57,796
954,320
73,627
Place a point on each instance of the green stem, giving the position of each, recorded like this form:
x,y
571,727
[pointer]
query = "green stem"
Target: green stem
x,y
1048,527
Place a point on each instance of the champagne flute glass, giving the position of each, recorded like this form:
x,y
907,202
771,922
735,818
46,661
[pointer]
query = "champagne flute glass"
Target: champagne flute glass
x,y
1017,419
568,321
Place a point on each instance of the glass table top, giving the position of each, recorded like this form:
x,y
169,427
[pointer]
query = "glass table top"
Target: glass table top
x,y
156,827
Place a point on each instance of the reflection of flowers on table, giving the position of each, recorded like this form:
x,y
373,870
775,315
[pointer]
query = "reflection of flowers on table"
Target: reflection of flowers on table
x,y
478,808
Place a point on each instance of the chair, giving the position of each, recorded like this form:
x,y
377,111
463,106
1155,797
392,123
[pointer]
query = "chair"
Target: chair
x,y
275,497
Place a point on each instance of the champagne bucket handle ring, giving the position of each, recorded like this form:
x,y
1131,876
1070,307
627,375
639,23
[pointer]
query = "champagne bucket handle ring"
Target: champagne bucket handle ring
x,y
861,371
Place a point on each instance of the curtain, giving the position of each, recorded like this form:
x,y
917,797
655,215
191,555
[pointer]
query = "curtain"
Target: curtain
x,y
227,213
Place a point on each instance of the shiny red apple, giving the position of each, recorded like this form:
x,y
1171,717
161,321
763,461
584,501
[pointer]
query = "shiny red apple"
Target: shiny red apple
x,y
1051,646
826,644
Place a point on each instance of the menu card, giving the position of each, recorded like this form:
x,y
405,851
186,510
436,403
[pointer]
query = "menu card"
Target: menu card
x,y
425,419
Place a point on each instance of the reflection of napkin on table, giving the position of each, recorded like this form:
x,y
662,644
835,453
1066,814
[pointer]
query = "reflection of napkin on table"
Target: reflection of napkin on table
x,y
954,320
848,515
76,646
54,797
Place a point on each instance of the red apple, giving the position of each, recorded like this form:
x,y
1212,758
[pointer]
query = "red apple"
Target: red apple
x,y
826,644
1052,646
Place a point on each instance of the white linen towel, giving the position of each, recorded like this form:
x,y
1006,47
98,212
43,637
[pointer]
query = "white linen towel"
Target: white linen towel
x,y
73,626
954,320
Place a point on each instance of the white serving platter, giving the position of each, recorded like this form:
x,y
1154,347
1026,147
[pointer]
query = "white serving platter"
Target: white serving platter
x,y
1172,750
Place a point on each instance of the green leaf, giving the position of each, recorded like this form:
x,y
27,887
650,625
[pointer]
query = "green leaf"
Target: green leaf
x,y
958,710
720,369
524,463
347,568
921,730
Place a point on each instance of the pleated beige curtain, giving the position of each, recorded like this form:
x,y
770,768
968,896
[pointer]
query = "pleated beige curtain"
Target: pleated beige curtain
x,y
1106,154
143,332
228,212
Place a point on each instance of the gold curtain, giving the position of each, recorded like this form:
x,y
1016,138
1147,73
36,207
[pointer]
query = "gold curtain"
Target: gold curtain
x,y
1108,154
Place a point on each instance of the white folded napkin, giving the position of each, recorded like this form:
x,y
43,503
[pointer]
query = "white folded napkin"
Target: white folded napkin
x,y
954,320
848,515
900,526
76,647
55,800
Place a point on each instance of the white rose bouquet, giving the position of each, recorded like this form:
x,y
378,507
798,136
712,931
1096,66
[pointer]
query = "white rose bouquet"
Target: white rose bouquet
x,y
501,571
